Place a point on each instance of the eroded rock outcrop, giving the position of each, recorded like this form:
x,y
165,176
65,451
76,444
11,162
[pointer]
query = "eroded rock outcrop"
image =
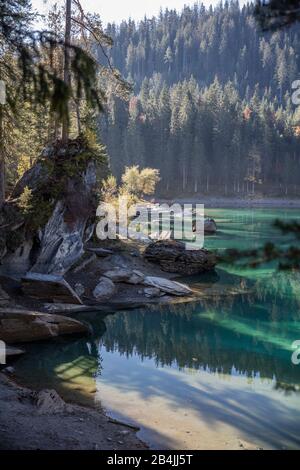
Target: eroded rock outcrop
x,y
19,326
49,288
50,216
172,256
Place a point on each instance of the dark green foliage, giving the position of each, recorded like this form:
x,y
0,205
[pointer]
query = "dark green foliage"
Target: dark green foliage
x,y
205,43
66,162
275,14
284,258
206,141
33,74
212,108
288,227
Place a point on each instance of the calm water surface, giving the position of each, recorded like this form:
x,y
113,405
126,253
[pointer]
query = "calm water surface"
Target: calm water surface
x,y
211,374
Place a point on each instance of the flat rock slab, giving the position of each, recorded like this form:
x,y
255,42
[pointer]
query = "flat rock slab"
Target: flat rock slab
x,y
118,274
167,286
67,309
49,288
101,252
18,326
12,352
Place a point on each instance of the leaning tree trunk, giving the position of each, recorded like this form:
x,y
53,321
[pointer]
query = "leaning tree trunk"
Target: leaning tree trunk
x,y
67,71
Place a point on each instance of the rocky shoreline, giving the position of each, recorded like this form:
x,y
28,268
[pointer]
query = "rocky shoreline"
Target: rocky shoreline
x,y
214,202
45,422
25,316
53,267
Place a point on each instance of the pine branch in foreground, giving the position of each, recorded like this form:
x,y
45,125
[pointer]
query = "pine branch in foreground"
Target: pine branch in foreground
x,y
285,258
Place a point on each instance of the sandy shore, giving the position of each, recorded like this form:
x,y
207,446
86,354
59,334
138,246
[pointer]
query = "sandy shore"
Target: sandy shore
x,y
30,423
234,203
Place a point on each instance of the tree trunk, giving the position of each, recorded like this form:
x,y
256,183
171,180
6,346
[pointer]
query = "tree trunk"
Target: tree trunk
x,y
67,71
77,105
2,163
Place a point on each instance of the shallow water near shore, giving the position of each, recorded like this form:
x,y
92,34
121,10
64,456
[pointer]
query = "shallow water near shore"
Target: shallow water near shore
x,y
216,373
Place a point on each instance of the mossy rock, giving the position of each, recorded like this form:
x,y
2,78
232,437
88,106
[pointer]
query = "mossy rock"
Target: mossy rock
x,y
61,164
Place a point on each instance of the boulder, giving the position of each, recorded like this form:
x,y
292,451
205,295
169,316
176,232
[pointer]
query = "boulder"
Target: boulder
x,y
104,290
118,274
49,402
167,286
20,326
49,288
61,243
61,215
152,292
210,226
136,277
172,256
125,275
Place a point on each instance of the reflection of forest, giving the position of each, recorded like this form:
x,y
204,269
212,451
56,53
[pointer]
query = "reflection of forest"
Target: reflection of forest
x,y
250,332
68,365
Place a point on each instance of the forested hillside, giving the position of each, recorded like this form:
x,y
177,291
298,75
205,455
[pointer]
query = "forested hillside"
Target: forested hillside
x,y
212,102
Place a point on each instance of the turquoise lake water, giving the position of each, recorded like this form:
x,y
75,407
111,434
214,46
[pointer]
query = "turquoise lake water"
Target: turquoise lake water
x,y
216,373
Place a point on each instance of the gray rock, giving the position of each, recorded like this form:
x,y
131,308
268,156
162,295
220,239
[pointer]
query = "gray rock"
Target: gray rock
x,y
100,252
79,289
172,256
136,277
9,370
13,352
126,275
152,292
210,226
59,243
31,179
167,286
18,262
49,402
68,308
20,326
104,290
118,274
47,152
49,288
